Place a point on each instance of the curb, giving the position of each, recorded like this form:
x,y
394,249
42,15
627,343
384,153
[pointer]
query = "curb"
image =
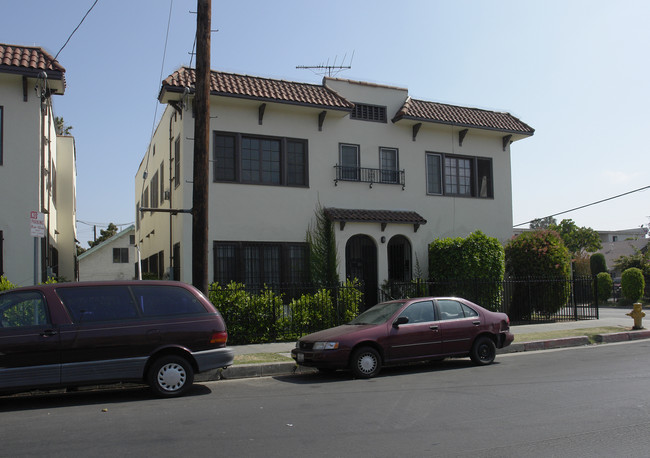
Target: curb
x,y
241,371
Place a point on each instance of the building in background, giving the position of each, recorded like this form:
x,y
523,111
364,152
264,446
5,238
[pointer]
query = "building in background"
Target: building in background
x,y
113,259
37,170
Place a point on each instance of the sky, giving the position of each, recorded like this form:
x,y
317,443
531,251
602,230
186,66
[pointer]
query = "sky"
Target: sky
x,y
576,71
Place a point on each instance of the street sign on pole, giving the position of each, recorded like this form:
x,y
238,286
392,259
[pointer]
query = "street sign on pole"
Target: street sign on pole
x,y
37,224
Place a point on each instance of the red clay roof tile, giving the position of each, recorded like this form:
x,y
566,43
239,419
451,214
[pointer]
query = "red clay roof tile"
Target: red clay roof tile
x,y
28,58
374,216
233,85
421,110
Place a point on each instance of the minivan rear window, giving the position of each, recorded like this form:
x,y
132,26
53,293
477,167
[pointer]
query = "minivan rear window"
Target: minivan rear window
x,y
166,301
98,303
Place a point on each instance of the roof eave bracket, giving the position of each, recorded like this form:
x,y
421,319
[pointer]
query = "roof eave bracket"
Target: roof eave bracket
x,y
507,139
416,129
261,113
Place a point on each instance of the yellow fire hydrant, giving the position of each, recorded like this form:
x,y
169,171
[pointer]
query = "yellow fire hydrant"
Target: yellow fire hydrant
x,y
638,315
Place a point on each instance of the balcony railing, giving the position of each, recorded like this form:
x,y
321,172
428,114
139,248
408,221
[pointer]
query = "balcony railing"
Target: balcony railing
x,y
367,175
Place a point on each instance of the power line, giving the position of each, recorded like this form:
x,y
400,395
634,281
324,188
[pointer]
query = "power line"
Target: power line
x,y
587,205
75,29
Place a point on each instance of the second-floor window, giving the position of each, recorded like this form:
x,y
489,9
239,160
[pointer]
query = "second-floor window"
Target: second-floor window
x,y
463,176
349,161
388,165
278,161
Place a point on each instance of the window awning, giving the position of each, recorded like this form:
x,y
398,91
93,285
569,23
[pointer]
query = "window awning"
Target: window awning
x,y
383,217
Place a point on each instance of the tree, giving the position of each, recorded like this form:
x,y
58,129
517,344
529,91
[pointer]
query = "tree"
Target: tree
x,y
632,284
597,263
543,223
577,239
60,127
539,254
323,260
604,282
104,234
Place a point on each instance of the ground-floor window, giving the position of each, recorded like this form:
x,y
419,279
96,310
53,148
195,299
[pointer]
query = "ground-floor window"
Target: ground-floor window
x,y
259,263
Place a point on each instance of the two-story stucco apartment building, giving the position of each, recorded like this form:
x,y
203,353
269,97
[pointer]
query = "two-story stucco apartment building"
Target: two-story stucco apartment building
x,y
37,170
393,173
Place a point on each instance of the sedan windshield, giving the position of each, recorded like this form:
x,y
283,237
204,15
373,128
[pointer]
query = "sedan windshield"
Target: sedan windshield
x,y
378,314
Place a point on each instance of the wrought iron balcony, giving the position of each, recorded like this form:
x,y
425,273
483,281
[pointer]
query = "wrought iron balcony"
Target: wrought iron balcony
x,y
367,175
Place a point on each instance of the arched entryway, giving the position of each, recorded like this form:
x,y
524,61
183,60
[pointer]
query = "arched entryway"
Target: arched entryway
x,y
361,263
400,265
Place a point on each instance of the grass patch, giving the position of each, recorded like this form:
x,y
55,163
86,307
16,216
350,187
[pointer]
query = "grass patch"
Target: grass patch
x,y
257,358
589,332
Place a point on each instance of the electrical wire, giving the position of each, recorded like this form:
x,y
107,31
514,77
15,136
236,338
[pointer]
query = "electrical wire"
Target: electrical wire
x,y
587,205
73,32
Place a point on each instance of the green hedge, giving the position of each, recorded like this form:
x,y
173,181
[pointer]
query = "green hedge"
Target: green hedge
x,y
472,259
267,316
604,281
538,254
632,284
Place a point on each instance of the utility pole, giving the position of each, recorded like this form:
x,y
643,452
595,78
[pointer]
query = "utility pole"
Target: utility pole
x,y
201,145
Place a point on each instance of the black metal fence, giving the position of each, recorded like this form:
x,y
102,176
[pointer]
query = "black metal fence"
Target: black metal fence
x,y
525,300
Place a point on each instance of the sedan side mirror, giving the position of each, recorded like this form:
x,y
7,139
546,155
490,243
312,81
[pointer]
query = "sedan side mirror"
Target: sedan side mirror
x,y
400,320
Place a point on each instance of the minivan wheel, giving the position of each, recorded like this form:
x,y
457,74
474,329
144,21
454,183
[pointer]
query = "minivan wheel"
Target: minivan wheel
x,y
365,362
483,351
170,376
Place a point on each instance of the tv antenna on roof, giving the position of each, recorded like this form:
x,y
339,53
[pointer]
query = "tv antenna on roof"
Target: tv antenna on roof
x,y
327,69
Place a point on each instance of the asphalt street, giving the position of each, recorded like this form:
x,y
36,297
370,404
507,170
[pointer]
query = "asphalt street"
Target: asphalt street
x,y
575,402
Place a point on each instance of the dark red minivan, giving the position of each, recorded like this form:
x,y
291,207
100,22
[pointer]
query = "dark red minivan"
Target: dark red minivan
x,y
71,334
407,330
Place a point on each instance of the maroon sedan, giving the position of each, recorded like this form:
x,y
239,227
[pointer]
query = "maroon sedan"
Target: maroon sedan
x,y
407,330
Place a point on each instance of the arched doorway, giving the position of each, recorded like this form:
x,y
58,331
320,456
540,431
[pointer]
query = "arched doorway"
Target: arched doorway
x,y
399,259
361,263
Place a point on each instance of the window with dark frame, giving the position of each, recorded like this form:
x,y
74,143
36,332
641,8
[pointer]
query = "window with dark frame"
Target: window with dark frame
x,y
463,176
277,161
162,183
349,162
389,165
120,255
365,112
259,263
177,162
154,190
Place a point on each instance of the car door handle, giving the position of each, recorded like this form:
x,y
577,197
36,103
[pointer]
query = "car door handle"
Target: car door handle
x,y
433,327
48,333
476,323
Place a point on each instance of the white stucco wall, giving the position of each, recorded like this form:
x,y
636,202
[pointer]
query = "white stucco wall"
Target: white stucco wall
x,y
19,177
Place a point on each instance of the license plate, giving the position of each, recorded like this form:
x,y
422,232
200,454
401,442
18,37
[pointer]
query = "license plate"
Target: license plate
x,y
300,358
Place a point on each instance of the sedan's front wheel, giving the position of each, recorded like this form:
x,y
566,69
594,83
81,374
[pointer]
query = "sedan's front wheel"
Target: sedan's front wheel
x,y
365,362
483,351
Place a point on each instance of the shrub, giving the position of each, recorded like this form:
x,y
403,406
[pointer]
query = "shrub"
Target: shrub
x,y
632,284
5,284
458,264
264,317
597,264
604,281
538,254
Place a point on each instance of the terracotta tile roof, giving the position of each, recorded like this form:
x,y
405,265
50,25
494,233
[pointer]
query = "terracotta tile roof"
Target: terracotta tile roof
x,y
421,110
28,60
374,216
233,85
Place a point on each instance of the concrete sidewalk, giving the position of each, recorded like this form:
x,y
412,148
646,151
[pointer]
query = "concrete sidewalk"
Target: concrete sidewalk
x,y
608,317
